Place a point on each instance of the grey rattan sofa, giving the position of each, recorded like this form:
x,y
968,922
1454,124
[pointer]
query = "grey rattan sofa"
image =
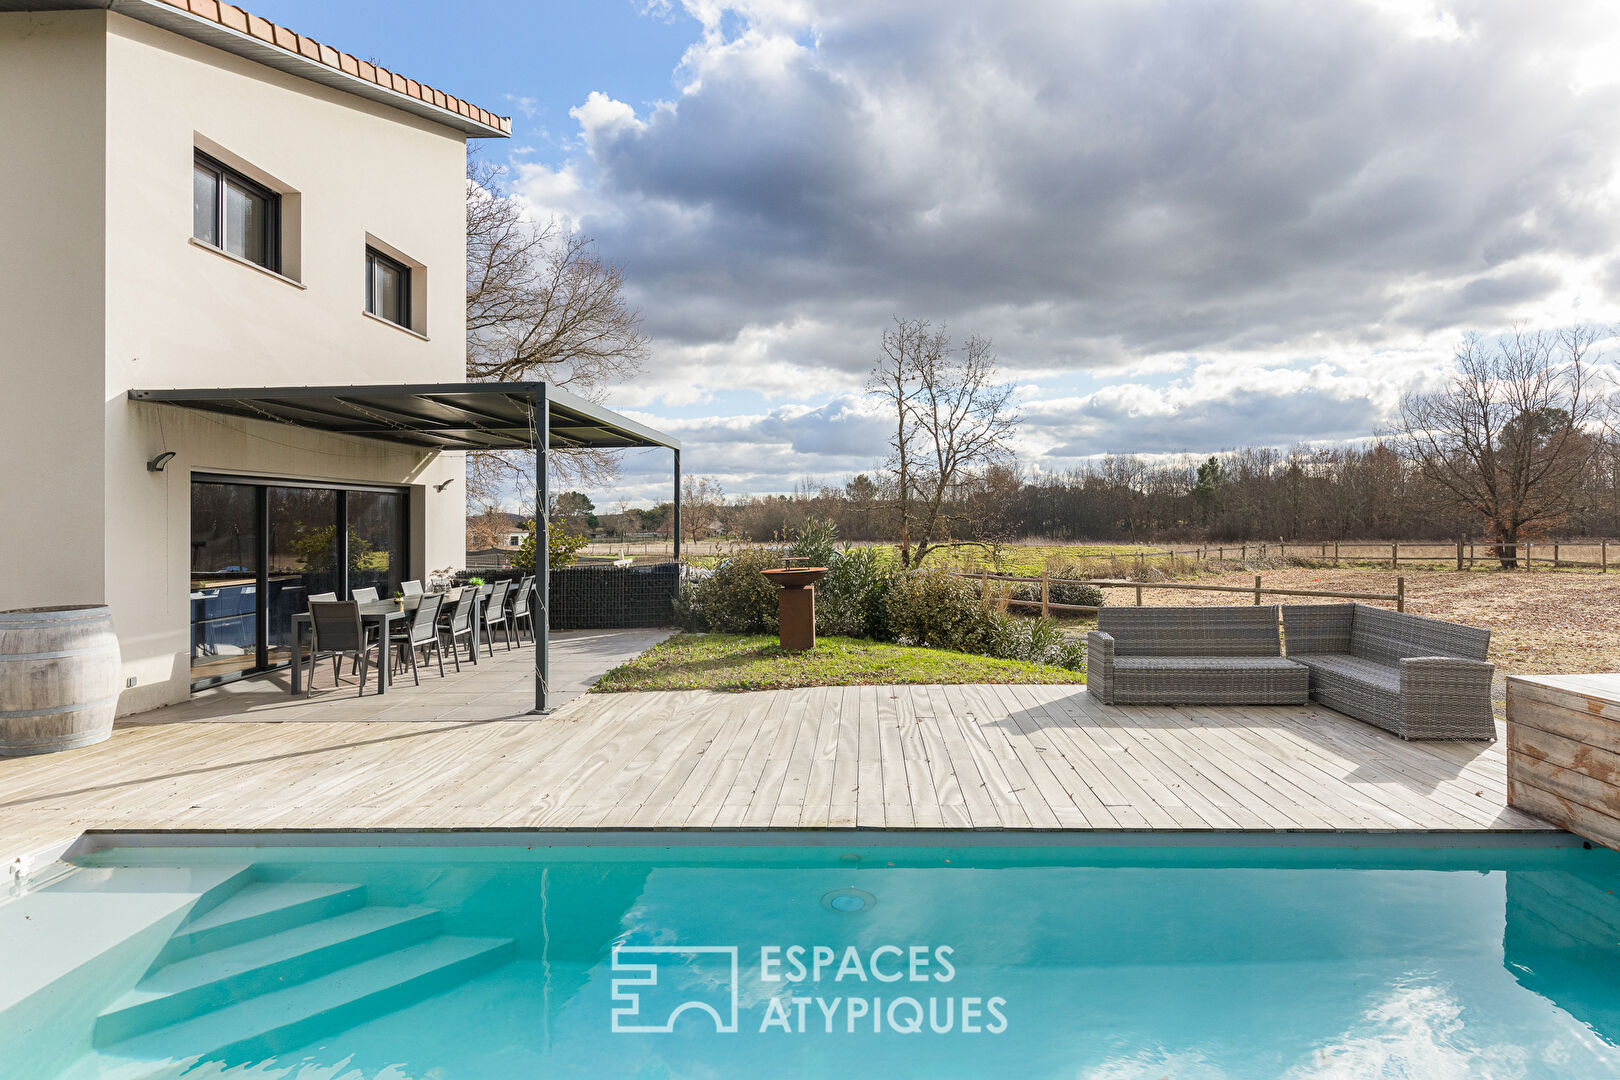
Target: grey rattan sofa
x,y
1191,656
1420,678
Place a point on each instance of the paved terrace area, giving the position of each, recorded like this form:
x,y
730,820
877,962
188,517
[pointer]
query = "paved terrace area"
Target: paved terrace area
x,y
462,754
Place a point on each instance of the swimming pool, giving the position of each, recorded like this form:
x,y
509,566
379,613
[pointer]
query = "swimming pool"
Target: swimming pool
x,y
406,962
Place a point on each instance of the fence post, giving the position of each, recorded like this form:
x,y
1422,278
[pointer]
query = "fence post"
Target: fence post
x,y
1529,554
1139,596
1046,593
1335,553
1459,552
1555,556
1395,556
1400,594
1257,590
1282,548
1245,552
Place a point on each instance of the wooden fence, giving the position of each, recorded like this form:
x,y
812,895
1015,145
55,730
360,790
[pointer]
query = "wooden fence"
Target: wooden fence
x,y
1463,553
1257,590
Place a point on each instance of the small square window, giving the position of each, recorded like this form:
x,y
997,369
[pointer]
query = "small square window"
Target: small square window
x,y
388,288
231,212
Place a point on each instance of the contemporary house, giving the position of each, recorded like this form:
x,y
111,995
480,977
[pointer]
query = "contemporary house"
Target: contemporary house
x,y
192,197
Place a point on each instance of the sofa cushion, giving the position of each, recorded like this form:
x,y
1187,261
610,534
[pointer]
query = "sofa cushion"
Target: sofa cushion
x,y
1202,663
1354,669
1201,680
1391,636
1192,631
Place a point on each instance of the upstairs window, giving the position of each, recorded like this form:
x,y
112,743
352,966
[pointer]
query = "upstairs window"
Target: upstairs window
x,y
234,214
388,288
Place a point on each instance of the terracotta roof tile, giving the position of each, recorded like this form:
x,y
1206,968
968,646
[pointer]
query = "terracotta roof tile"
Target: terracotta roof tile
x,y
235,18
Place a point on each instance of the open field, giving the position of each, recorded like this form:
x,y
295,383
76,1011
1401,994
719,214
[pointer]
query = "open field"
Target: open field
x,y
757,662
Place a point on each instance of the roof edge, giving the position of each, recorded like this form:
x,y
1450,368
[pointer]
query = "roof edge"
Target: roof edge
x,y
230,29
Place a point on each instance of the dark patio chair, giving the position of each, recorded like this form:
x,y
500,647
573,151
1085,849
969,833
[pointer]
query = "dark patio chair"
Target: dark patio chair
x,y
315,598
422,632
522,610
337,629
495,615
460,626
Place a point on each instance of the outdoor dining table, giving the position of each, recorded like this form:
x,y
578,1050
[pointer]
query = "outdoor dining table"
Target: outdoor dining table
x,y
382,614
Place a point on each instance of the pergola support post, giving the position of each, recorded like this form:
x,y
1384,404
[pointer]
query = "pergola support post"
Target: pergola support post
x,y
677,511
542,552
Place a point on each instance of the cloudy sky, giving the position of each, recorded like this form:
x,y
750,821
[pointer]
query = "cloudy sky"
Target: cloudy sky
x,y
1185,226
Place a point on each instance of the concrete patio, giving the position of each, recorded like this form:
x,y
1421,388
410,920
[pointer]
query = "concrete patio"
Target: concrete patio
x,y
498,687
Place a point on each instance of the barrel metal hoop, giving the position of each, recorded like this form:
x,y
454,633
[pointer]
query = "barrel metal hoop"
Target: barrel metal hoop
x,y
57,655
14,714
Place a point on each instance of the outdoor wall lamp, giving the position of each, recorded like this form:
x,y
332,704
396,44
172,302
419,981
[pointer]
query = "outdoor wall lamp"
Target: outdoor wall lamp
x,y
158,463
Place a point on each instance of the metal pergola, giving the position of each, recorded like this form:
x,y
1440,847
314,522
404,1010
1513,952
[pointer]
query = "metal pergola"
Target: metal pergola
x,y
453,416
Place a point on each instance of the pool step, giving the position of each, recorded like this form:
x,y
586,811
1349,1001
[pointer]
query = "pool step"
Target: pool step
x,y
266,966
271,1023
257,909
214,979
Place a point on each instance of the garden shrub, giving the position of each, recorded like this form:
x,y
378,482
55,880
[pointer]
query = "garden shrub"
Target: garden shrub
x,y
734,597
852,600
1039,641
939,609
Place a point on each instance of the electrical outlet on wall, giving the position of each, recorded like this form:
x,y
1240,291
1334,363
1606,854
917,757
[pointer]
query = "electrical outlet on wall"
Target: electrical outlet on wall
x,y
129,682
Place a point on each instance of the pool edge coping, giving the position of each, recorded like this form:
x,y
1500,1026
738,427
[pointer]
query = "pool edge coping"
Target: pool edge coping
x,y
97,840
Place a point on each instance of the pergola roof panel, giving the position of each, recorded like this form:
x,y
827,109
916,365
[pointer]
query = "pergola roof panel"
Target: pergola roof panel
x,y
435,416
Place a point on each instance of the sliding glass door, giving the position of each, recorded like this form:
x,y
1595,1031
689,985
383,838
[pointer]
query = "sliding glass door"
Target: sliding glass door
x,y
302,524
224,580
260,549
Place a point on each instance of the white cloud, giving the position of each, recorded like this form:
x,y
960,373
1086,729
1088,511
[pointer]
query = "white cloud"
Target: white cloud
x,y
1249,221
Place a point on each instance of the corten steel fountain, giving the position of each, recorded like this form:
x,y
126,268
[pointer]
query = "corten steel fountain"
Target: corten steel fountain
x,y
796,604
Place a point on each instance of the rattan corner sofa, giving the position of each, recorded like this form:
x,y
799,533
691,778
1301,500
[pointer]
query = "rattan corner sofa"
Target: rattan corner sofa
x,y
1191,656
1419,678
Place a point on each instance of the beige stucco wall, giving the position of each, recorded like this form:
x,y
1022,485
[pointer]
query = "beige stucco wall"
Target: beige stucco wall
x,y
52,163
180,315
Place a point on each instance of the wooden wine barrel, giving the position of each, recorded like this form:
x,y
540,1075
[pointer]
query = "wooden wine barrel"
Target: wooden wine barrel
x,y
59,679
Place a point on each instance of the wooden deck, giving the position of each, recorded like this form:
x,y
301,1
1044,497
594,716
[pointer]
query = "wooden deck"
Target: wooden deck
x,y
878,757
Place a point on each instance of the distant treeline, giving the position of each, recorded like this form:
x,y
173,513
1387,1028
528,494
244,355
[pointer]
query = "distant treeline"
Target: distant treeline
x,y
1357,492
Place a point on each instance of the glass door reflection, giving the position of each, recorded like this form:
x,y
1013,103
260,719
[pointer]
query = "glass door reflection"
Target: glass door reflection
x,y
303,532
224,579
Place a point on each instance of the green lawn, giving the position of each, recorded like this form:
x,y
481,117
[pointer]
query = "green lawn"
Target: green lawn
x,y
757,662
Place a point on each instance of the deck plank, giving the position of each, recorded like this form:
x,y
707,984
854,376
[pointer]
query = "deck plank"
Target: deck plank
x,y
895,757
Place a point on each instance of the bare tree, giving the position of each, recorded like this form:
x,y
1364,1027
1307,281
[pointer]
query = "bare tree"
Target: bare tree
x,y
702,505
952,420
1514,434
542,304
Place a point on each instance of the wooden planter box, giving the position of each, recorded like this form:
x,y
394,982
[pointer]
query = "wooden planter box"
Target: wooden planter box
x,y
1564,751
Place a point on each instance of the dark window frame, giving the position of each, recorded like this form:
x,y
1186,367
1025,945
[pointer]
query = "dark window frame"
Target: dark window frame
x,y
374,258
262,486
223,175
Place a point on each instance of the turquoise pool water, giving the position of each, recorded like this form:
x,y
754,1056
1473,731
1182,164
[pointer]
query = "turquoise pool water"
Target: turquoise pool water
x,y
1104,963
